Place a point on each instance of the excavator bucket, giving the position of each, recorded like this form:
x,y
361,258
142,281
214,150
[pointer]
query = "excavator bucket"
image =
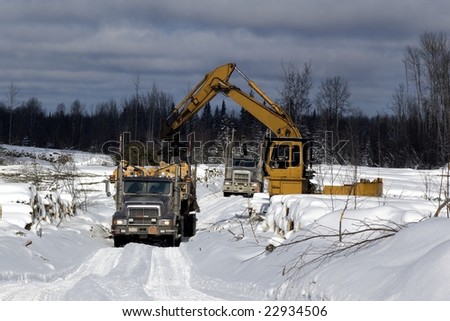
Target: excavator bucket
x,y
363,188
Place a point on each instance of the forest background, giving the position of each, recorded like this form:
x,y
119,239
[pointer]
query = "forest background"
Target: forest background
x,y
415,134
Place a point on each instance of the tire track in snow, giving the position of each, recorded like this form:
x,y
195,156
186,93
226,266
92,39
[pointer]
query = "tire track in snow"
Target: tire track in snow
x,y
135,272
124,281
169,277
100,263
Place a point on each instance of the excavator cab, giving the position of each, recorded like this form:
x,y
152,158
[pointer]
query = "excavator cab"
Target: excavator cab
x,y
287,166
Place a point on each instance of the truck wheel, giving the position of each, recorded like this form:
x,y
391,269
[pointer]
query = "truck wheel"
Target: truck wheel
x,y
190,225
171,241
226,194
119,241
177,241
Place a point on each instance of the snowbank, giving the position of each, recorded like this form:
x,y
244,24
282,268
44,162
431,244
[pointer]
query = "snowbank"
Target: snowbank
x,y
22,204
17,193
293,213
412,265
17,214
55,155
19,203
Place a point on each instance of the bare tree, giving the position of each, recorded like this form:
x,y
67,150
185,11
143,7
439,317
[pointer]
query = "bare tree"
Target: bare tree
x,y
400,102
436,55
333,101
296,90
428,66
156,103
11,103
137,101
413,70
76,118
400,135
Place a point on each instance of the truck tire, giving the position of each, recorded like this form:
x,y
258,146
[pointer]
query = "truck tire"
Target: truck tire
x,y
120,241
171,241
190,225
177,241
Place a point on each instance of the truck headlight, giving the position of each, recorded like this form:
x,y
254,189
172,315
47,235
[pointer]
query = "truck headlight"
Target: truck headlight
x,y
227,183
119,222
165,222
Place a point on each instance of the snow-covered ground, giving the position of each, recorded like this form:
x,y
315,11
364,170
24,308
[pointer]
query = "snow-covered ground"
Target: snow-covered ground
x,y
325,247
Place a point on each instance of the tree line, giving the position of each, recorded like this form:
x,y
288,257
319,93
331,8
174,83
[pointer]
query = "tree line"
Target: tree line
x,y
415,134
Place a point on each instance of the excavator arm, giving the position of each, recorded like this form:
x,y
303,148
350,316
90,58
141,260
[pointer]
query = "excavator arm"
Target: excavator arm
x,y
217,81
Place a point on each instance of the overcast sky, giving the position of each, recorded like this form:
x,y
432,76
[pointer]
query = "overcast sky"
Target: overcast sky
x,y
59,51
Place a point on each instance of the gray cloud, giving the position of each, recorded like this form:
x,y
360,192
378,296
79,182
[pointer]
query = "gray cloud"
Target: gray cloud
x,y
92,50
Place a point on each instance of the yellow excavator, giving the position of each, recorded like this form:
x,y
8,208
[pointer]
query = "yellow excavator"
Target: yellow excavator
x,y
286,153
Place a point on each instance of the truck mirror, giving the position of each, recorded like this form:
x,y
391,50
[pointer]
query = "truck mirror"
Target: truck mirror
x,y
107,188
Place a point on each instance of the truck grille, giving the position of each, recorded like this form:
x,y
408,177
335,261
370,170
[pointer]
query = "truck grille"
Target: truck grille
x,y
241,177
143,215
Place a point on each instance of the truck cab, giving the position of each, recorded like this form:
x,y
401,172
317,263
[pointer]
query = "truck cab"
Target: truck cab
x,y
154,210
241,177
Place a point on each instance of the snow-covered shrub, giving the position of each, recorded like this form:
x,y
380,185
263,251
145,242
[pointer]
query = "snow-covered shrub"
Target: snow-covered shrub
x,y
20,203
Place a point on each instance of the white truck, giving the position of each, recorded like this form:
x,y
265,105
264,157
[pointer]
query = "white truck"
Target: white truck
x,y
241,177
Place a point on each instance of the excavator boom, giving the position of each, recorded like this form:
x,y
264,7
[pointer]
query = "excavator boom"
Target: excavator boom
x,y
198,97
217,81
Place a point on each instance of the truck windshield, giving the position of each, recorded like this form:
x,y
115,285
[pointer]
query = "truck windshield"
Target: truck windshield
x,y
243,162
141,187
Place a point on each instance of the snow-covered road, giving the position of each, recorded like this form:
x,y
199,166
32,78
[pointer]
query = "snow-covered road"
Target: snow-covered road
x,y
135,272
59,288
170,277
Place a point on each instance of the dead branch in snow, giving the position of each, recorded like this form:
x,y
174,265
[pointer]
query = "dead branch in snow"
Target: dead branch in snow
x,y
332,243
444,204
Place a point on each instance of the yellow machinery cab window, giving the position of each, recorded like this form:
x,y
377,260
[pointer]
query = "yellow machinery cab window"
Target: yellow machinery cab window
x,y
285,155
